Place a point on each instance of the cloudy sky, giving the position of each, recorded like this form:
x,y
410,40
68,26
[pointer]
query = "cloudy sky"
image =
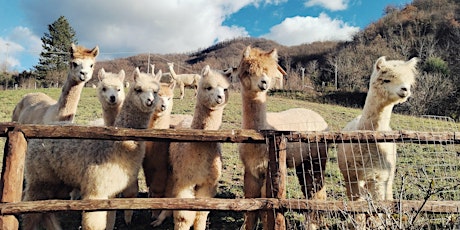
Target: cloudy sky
x,y
125,28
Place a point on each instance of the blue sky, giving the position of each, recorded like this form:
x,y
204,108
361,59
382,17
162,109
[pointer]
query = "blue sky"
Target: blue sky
x,y
125,28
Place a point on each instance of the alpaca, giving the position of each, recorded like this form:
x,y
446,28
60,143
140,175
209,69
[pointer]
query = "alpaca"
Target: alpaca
x,y
255,71
39,108
100,169
111,94
156,161
184,80
370,169
196,172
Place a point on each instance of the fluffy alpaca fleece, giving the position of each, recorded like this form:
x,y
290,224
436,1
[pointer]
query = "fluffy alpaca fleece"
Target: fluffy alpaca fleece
x,y
196,172
370,169
255,71
100,169
39,108
184,80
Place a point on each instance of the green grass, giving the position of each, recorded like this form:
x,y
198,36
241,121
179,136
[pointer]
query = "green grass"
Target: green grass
x,y
418,164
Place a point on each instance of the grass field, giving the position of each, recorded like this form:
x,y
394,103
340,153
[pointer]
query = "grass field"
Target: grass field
x,y
418,163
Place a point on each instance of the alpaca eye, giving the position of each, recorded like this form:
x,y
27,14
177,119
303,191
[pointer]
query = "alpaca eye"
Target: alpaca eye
x,y
138,90
104,89
225,90
386,81
209,88
74,64
118,90
92,65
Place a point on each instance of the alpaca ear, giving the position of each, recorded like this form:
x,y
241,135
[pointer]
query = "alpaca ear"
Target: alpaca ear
x,y
413,62
136,73
380,63
247,52
205,70
157,77
281,70
95,51
121,75
152,67
273,54
100,74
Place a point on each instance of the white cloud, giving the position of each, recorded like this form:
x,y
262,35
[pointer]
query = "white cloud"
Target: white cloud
x,y
18,44
332,5
298,30
161,26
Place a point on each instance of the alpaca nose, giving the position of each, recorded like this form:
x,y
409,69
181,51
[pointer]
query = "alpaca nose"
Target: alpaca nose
x,y
219,99
112,98
404,89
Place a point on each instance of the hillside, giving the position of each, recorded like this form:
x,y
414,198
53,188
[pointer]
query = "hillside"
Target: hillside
x,y
428,29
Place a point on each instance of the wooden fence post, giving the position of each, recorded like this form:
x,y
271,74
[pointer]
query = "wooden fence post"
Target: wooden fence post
x,y
12,175
276,180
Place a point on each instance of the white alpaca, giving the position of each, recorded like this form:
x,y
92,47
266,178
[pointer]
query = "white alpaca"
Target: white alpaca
x,y
39,108
369,169
255,71
100,169
184,80
111,94
196,172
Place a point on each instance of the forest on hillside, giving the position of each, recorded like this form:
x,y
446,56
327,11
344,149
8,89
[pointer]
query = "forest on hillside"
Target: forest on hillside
x,y
428,29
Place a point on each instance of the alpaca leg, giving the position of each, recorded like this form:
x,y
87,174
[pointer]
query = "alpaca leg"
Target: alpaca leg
x,y
130,192
96,220
161,217
183,220
202,216
182,90
33,221
311,179
252,189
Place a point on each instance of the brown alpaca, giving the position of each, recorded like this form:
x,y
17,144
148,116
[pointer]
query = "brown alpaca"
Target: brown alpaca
x,y
184,80
156,161
255,71
100,169
196,172
39,108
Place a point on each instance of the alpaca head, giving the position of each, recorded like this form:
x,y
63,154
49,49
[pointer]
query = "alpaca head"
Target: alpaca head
x,y
143,93
391,81
213,89
82,62
165,95
257,69
110,89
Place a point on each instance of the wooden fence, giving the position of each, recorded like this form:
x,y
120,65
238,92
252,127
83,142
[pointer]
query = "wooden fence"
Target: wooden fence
x,y
16,146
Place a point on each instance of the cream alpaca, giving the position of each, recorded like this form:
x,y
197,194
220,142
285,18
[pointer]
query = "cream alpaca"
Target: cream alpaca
x,y
111,94
255,71
370,169
196,173
184,80
39,108
100,169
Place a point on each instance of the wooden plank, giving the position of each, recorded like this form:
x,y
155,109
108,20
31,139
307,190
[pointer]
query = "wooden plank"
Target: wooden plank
x,y
233,136
114,133
433,207
12,175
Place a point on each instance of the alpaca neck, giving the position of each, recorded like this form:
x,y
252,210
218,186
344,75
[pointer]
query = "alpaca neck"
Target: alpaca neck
x,y
207,119
376,114
131,117
254,110
173,73
110,113
68,101
160,120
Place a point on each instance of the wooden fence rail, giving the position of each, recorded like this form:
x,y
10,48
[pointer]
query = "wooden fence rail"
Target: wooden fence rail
x,y
16,146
